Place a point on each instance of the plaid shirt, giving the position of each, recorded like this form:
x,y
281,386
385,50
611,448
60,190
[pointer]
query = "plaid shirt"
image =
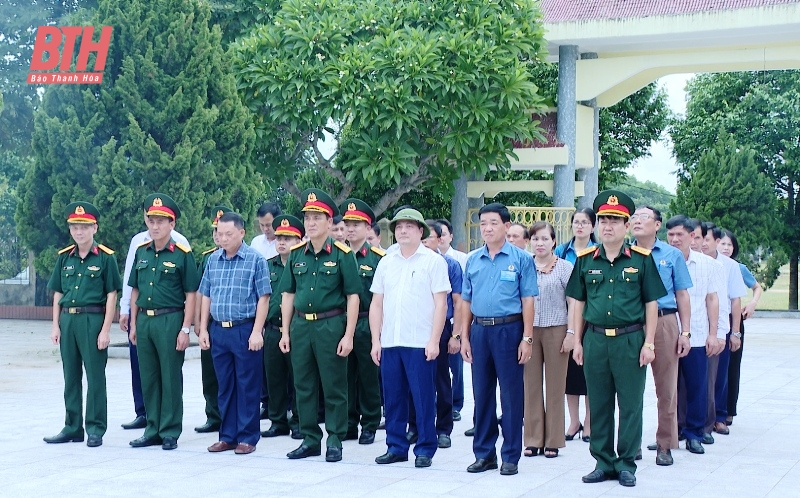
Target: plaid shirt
x,y
551,303
235,284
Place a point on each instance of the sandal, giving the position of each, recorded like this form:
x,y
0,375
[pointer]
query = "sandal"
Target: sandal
x,y
550,452
531,451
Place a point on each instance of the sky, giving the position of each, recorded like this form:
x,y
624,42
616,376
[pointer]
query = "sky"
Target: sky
x,y
660,166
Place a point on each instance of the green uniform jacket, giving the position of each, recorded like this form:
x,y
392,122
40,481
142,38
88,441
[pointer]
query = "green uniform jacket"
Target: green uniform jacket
x,y
85,282
201,266
321,282
367,259
275,267
164,277
615,293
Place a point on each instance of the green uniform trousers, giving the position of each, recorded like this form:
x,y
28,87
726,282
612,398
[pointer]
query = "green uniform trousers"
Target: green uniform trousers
x,y
160,368
613,374
314,361
279,378
363,388
78,350
210,387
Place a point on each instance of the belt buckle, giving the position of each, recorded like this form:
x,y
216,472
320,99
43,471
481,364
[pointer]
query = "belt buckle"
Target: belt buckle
x,y
72,311
488,322
611,332
150,312
311,316
227,325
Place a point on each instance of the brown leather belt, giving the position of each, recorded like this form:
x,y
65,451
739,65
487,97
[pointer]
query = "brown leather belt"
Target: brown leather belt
x,y
160,311
488,322
667,311
83,309
233,323
319,316
615,332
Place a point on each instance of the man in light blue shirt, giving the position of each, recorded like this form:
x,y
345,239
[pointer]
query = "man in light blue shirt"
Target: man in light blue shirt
x,y
498,292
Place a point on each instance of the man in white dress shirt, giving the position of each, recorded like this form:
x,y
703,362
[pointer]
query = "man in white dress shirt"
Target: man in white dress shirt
x,y
124,315
265,243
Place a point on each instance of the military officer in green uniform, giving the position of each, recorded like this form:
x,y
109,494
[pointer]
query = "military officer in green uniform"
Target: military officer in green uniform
x,y
615,287
208,375
85,282
363,388
164,281
289,232
320,311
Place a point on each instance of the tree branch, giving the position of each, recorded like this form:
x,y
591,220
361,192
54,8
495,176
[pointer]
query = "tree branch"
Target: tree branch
x,y
407,184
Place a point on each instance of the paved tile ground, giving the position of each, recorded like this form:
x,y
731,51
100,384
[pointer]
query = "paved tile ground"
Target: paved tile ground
x,y
759,458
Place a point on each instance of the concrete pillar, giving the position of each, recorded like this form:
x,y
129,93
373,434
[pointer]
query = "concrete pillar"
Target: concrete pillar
x,y
589,176
460,206
564,174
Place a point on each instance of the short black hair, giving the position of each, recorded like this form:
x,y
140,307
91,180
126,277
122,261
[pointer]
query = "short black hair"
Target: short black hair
x,y
734,242
435,226
376,229
269,208
236,218
589,212
716,231
681,220
447,224
525,234
496,207
337,219
398,209
656,212
699,223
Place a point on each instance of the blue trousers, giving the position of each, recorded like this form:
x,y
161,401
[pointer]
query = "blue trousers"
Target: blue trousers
x,y
444,390
457,370
136,381
404,370
494,360
239,373
693,392
721,386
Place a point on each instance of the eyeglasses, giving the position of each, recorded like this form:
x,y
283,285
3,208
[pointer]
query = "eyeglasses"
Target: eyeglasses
x,y
580,223
642,216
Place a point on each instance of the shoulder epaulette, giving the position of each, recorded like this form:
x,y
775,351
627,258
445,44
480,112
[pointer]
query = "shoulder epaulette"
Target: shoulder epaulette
x,y
641,250
68,248
105,249
377,250
144,243
182,247
587,251
342,247
209,251
297,246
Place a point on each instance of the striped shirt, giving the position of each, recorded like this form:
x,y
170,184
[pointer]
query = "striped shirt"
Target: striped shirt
x,y
707,278
551,303
235,284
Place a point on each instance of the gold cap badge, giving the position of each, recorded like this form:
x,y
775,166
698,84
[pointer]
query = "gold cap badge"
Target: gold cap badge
x,y
612,200
80,210
157,202
351,206
219,214
312,197
284,223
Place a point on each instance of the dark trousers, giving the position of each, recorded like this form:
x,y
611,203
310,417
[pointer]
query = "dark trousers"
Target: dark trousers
x,y
281,382
444,390
693,393
239,375
457,370
136,381
494,360
734,376
404,370
363,389
210,387
721,385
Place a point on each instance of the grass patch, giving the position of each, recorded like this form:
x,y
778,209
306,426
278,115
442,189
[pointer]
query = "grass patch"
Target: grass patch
x,y
777,297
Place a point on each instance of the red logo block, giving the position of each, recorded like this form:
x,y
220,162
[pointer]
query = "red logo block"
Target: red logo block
x,y
49,40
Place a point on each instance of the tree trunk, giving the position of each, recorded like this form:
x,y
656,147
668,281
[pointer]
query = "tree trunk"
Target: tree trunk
x,y
460,208
793,258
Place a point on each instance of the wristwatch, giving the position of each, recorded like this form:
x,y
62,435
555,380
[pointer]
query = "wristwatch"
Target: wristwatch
x,y
737,335
570,331
185,330
651,347
527,339
687,334
457,337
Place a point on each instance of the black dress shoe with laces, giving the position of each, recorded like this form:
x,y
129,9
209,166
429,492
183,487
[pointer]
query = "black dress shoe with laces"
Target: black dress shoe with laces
x,y
63,437
387,458
627,479
169,443
508,469
422,461
304,451
694,446
598,475
139,422
333,454
275,432
94,440
367,437
207,427
482,465
143,442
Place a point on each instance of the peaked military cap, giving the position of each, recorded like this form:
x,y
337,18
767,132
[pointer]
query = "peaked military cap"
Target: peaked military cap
x,y
614,203
288,225
357,210
82,212
318,201
409,214
161,205
217,213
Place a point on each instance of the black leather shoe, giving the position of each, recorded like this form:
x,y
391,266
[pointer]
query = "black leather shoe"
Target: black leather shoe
x,y
263,414
351,436
444,441
708,438
597,475
275,432
169,443
456,416
367,437
482,465
508,469
390,458
470,432
296,434
681,437
146,441
652,447
664,457
61,437
422,461
303,452
412,437
627,479
333,454
638,454
94,440
694,446
208,427
382,425
139,422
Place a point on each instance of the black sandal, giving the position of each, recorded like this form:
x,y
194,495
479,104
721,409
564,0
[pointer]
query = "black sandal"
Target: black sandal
x,y
553,452
533,451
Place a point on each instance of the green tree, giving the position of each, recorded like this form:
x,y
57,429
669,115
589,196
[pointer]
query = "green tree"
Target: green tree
x,y
166,118
411,91
761,110
727,188
646,193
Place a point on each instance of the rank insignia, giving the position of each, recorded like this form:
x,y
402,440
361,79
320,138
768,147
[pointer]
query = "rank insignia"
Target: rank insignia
x,y
301,264
169,264
366,268
93,268
595,272
329,263
631,270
